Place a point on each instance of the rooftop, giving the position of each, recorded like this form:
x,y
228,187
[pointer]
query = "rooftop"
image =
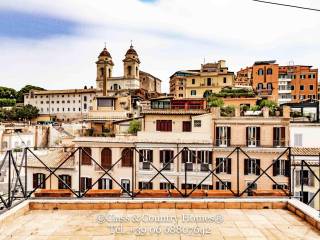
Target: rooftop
x,y
64,91
216,219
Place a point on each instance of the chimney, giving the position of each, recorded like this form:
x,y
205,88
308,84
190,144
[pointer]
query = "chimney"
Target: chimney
x,y
286,111
215,111
265,112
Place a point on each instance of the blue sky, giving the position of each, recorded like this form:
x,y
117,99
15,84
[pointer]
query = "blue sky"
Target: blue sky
x,y
54,44
33,26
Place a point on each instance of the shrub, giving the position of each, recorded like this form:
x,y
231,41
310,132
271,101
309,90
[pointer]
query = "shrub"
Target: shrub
x,y
215,102
134,127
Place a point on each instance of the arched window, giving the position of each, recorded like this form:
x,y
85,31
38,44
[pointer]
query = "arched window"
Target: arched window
x,y
127,157
269,71
106,158
129,70
109,72
115,87
269,86
85,156
137,71
260,71
101,72
260,86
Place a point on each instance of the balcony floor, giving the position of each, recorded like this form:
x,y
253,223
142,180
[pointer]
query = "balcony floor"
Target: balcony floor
x,y
83,224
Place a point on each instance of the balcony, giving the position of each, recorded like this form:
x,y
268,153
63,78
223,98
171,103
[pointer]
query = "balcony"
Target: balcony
x,y
223,142
264,92
145,166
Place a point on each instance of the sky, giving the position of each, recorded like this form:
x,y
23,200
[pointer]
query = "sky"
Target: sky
x,y
54,44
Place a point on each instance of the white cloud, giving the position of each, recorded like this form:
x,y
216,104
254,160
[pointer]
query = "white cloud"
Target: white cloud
x,y
169,35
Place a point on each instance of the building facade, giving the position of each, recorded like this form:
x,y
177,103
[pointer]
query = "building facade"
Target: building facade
x,y
212,77
61,105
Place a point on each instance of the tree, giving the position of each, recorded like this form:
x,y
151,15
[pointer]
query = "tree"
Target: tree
x,y
27,112
269,104
26,89
134,127
7,102
7,92
215,102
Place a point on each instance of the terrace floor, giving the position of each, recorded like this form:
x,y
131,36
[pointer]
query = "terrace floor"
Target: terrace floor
x,y
223,224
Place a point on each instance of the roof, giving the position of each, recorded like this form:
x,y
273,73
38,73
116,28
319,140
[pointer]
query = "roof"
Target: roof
x,y
64,91
131,51
150,75
304,151
105,53
51,158
264,62
173,111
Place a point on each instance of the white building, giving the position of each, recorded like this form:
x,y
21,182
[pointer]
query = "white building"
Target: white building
x,y
63,105
284,89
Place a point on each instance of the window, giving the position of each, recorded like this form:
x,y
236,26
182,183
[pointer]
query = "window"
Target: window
x,y
193,81
66,179
193,92
38,180
302,76
253,136
86,156
166,186
197,123
180,88
252,166
260,86
165,158
164,125
311,87
269,71
279,136
224,80
85,183
223,165
146,185
105,183
84,106
208,81
106,158
301,87
269,86
298,140
280,186
103,102
260,72
305,177
180,95
127,157
186,126
223,186
145,158
292,87
281,167
223,135
129,70
188,186
187,159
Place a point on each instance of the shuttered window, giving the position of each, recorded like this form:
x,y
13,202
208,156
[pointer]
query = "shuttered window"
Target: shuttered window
x,y
85,183
106,158
105,183
279,136
86,156
66,179
223,165
281,167
38,179
252,166
127,157
164,125
186,126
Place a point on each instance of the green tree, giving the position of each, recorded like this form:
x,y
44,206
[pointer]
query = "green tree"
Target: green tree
x,y
26,89
7,92
269,104
7,102
134,127
26,112
215,102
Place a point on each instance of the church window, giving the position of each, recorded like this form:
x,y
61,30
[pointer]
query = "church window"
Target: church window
x,y
129,70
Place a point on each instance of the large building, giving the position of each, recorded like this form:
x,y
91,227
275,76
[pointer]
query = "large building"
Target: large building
x,y
212,77
282,84
61,105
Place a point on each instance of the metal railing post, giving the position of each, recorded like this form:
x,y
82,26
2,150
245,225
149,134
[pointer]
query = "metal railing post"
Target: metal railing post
x,y
301,181
79,172
25,173
238,173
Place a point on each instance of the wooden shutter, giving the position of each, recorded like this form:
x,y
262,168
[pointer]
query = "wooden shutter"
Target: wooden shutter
x,y
100,183
210,157
283,136
276,166
228,136
229,185
69,181
274,186
110,184
217,136
246,165
82,184
217,185
169,122
141,157
127,157
218,160
184,156
35,180
150,155
60,184
274,143
89,183
106,158
257,166
86,156
287,168
247,135
193,156
258,136
161,156
158,125
229,165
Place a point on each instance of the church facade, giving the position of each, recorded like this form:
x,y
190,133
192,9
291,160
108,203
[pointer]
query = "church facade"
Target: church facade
x,y
133,78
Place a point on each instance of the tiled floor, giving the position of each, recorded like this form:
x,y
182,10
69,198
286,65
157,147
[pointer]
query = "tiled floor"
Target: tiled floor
x,y
225,224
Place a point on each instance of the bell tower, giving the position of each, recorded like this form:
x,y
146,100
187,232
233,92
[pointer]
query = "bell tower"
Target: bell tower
x,y
104,71
131,64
